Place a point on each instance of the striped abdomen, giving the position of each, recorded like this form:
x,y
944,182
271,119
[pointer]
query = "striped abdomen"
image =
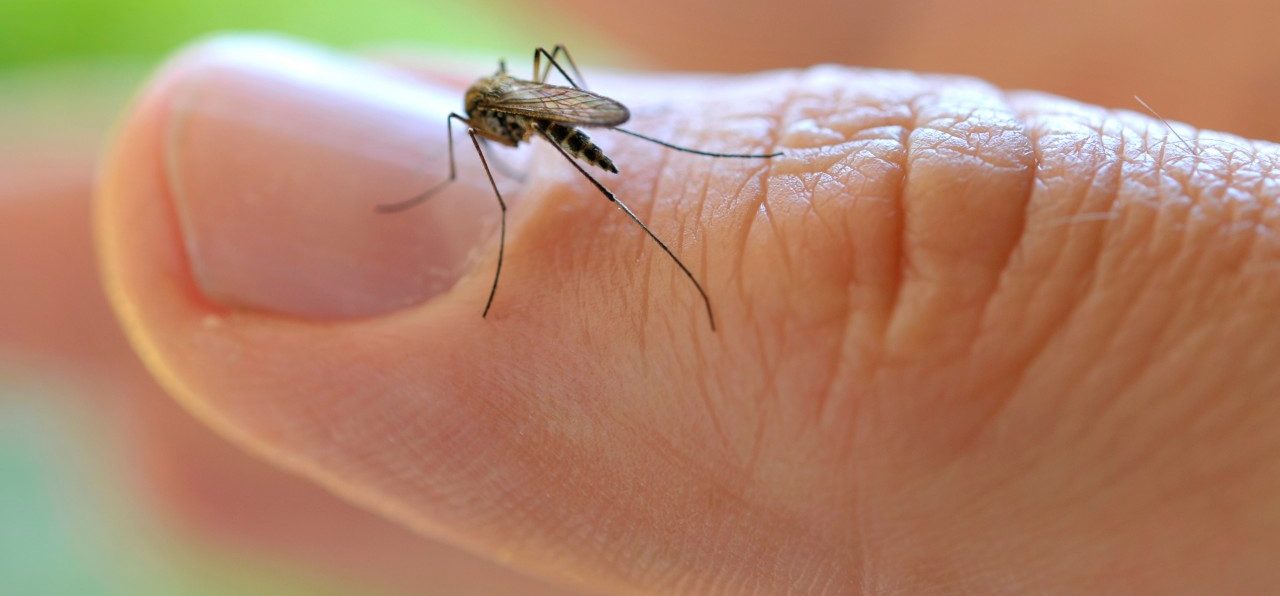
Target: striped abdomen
x,y
578,144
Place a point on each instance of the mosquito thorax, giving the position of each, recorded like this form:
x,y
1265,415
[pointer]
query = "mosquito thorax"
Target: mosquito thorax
x,y
486,88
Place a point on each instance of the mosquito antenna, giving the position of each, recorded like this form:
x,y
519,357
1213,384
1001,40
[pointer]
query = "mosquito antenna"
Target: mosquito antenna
x,y
616,201
695,151
1166,123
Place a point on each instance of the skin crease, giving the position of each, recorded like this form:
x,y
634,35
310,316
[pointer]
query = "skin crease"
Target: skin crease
x,y
900,397
1218,93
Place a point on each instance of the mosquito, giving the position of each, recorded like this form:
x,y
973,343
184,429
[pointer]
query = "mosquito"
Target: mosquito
x,y
509,111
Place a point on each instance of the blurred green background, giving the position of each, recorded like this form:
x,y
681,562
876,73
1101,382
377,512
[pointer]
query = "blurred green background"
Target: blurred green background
x,y
39,31
72,520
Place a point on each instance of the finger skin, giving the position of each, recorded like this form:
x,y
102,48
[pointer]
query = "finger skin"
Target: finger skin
x,y
55,323
923,379
217,495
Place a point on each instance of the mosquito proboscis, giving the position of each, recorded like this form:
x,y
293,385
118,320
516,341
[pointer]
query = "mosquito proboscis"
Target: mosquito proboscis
x,y
508,111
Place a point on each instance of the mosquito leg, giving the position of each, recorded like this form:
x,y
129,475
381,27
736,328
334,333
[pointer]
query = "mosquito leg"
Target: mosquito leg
x,y
695,151
420,198
540,74
502,234
561,49
616,201
501,165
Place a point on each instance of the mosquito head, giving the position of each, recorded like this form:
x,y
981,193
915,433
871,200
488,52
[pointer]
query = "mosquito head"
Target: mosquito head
x,y
472,99
484,88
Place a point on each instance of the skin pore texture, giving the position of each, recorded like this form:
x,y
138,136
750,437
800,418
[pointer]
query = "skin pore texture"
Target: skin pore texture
x,y
970,340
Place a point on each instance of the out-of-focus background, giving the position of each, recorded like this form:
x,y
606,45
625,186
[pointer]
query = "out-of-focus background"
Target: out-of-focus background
x,y
106,487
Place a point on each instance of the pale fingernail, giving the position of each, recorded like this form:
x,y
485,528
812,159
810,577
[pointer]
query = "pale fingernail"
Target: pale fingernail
x,y
277,155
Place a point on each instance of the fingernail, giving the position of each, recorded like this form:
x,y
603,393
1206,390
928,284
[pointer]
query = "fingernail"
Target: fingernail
x,y
277,155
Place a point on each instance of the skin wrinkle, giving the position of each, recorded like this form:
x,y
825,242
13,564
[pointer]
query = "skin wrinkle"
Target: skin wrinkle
x,y
681,222
869,576
851,345
1037,351
1124,465
1257,226
827,385
865,555
1235,213
952,128
576,192
1079,148
701,479
770,388
836,368
452,462
1174,425
664,159
1087,190
766,173
823,388
1093,271
810,189
1110,407
707,398
1144,288
700,351
624,532
1002,278
900,251
776,230
1197,258
809,182
1172,437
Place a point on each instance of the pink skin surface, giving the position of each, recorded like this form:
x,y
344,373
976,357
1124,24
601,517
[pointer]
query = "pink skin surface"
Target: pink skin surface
x,y
55,323
969,339
1207,63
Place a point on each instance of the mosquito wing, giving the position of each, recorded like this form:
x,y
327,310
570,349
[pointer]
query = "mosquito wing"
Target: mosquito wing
x,y
557,104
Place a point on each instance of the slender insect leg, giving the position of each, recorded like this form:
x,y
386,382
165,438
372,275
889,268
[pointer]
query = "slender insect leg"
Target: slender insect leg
x,y
695,151
616,201
502,234
453,174
561,49
540,74
501,165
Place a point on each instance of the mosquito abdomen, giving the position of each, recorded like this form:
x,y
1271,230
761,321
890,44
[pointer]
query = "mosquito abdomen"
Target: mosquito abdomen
x,y
578,144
